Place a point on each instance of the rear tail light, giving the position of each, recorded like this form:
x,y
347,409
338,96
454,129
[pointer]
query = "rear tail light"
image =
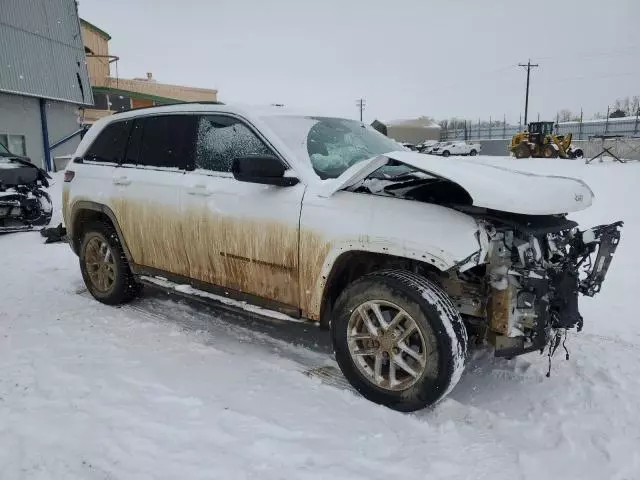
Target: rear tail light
x,y
68,175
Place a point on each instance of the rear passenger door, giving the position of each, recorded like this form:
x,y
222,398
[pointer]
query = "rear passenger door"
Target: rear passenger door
x,y
98,164
147,190
239,235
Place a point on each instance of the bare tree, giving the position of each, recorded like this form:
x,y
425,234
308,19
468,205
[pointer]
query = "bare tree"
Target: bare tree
x,y
565,115
635,105
618,113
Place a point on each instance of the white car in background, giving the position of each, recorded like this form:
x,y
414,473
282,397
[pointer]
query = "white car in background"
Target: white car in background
x,y
456,148
427,145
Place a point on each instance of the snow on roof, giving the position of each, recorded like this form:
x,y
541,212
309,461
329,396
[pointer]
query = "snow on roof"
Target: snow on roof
x,y
412,122
602,120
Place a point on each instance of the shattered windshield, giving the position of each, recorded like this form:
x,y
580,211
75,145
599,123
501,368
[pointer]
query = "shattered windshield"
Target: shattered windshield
x,y
333,144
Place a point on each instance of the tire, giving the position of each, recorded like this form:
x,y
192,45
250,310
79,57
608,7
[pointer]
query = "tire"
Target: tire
x,y
473,153
578,153
446,153
437,324
522,151
99,239
549,152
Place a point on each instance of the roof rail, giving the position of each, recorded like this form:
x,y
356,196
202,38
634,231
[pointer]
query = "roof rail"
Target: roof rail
x,y
204,102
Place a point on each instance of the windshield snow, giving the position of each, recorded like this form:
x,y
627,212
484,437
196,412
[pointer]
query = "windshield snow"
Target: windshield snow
x,y
331,144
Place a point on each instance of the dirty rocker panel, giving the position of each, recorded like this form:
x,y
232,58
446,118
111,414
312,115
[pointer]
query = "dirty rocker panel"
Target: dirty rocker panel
x,y
140,271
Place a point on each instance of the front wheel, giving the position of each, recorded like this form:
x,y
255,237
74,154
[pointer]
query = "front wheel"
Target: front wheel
x,y
522,151
398,339
446,153
473,153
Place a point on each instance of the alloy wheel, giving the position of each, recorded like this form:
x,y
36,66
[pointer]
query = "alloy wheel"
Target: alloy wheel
x,y
387,346
100,264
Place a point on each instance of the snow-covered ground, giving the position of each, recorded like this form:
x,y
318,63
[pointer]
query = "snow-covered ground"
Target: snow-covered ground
x,y
161,389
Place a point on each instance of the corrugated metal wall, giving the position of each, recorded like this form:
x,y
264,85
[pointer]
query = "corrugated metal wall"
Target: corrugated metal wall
x,y
20,115
41,50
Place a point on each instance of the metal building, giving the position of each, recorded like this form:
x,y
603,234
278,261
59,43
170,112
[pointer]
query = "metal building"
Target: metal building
x,y
415,130
43,78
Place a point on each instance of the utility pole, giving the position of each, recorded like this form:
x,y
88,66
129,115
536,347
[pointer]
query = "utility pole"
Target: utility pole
x,y
528,66
361,103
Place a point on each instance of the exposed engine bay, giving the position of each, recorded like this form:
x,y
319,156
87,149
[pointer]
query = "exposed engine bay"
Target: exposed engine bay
x,y
535,268
24,204
520,291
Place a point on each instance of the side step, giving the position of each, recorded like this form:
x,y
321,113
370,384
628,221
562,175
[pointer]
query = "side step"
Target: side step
x,y
234,305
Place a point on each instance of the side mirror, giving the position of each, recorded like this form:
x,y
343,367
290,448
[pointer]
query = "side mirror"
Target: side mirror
x,y
264,169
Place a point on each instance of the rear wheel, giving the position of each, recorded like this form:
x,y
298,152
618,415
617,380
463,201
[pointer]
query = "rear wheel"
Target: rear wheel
x,y
398,339
473,153
104,267
446,153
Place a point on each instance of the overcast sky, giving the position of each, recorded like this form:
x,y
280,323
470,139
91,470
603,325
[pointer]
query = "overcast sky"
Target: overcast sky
x,y
405,57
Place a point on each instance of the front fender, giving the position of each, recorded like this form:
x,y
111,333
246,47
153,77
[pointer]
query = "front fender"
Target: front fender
x,y
353,222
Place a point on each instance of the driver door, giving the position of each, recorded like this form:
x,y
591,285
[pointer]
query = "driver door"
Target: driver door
x,y
239,235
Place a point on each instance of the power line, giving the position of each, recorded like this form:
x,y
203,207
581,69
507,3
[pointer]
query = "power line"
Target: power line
x,y
631,50
529,66
595,77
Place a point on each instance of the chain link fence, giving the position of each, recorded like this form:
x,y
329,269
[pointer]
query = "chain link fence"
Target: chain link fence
x,y
581,130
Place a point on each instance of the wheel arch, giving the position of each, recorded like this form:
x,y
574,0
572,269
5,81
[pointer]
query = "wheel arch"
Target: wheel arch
x,y
84,211
345,265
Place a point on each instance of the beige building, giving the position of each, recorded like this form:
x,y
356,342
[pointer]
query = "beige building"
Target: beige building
x,y
113,94
413,131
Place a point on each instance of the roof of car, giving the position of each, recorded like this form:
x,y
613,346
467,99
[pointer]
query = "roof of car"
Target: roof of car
x,y
191,107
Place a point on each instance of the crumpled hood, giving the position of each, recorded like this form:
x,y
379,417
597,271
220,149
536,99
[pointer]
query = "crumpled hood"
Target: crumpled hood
x,y
489,186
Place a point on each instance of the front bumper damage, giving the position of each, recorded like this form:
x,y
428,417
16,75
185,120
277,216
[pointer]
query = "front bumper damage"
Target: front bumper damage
x,y
534,285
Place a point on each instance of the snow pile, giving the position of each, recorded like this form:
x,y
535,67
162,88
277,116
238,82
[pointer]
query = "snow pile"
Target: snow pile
x,y
161,390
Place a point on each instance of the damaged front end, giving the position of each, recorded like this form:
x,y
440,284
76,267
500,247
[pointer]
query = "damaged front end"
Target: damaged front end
x,y
535,268
24,204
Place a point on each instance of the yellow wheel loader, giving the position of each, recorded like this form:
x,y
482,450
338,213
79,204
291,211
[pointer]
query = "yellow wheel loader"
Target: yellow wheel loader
x,y
539,141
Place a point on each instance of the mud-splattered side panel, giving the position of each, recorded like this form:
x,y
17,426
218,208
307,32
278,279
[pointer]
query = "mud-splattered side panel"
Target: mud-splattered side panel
x,y
153,233
314,250
259,257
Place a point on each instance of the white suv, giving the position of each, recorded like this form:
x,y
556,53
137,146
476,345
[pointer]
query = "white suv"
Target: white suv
x,y
401,255
456,148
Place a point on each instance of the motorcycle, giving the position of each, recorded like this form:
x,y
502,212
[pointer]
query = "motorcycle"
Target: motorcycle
x,y
24,204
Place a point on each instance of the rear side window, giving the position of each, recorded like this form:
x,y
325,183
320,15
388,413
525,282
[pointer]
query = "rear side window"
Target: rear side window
x,y
220,139
167,141
110,144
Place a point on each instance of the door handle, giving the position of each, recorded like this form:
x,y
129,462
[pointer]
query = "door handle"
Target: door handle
x,y
200,190
122,181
